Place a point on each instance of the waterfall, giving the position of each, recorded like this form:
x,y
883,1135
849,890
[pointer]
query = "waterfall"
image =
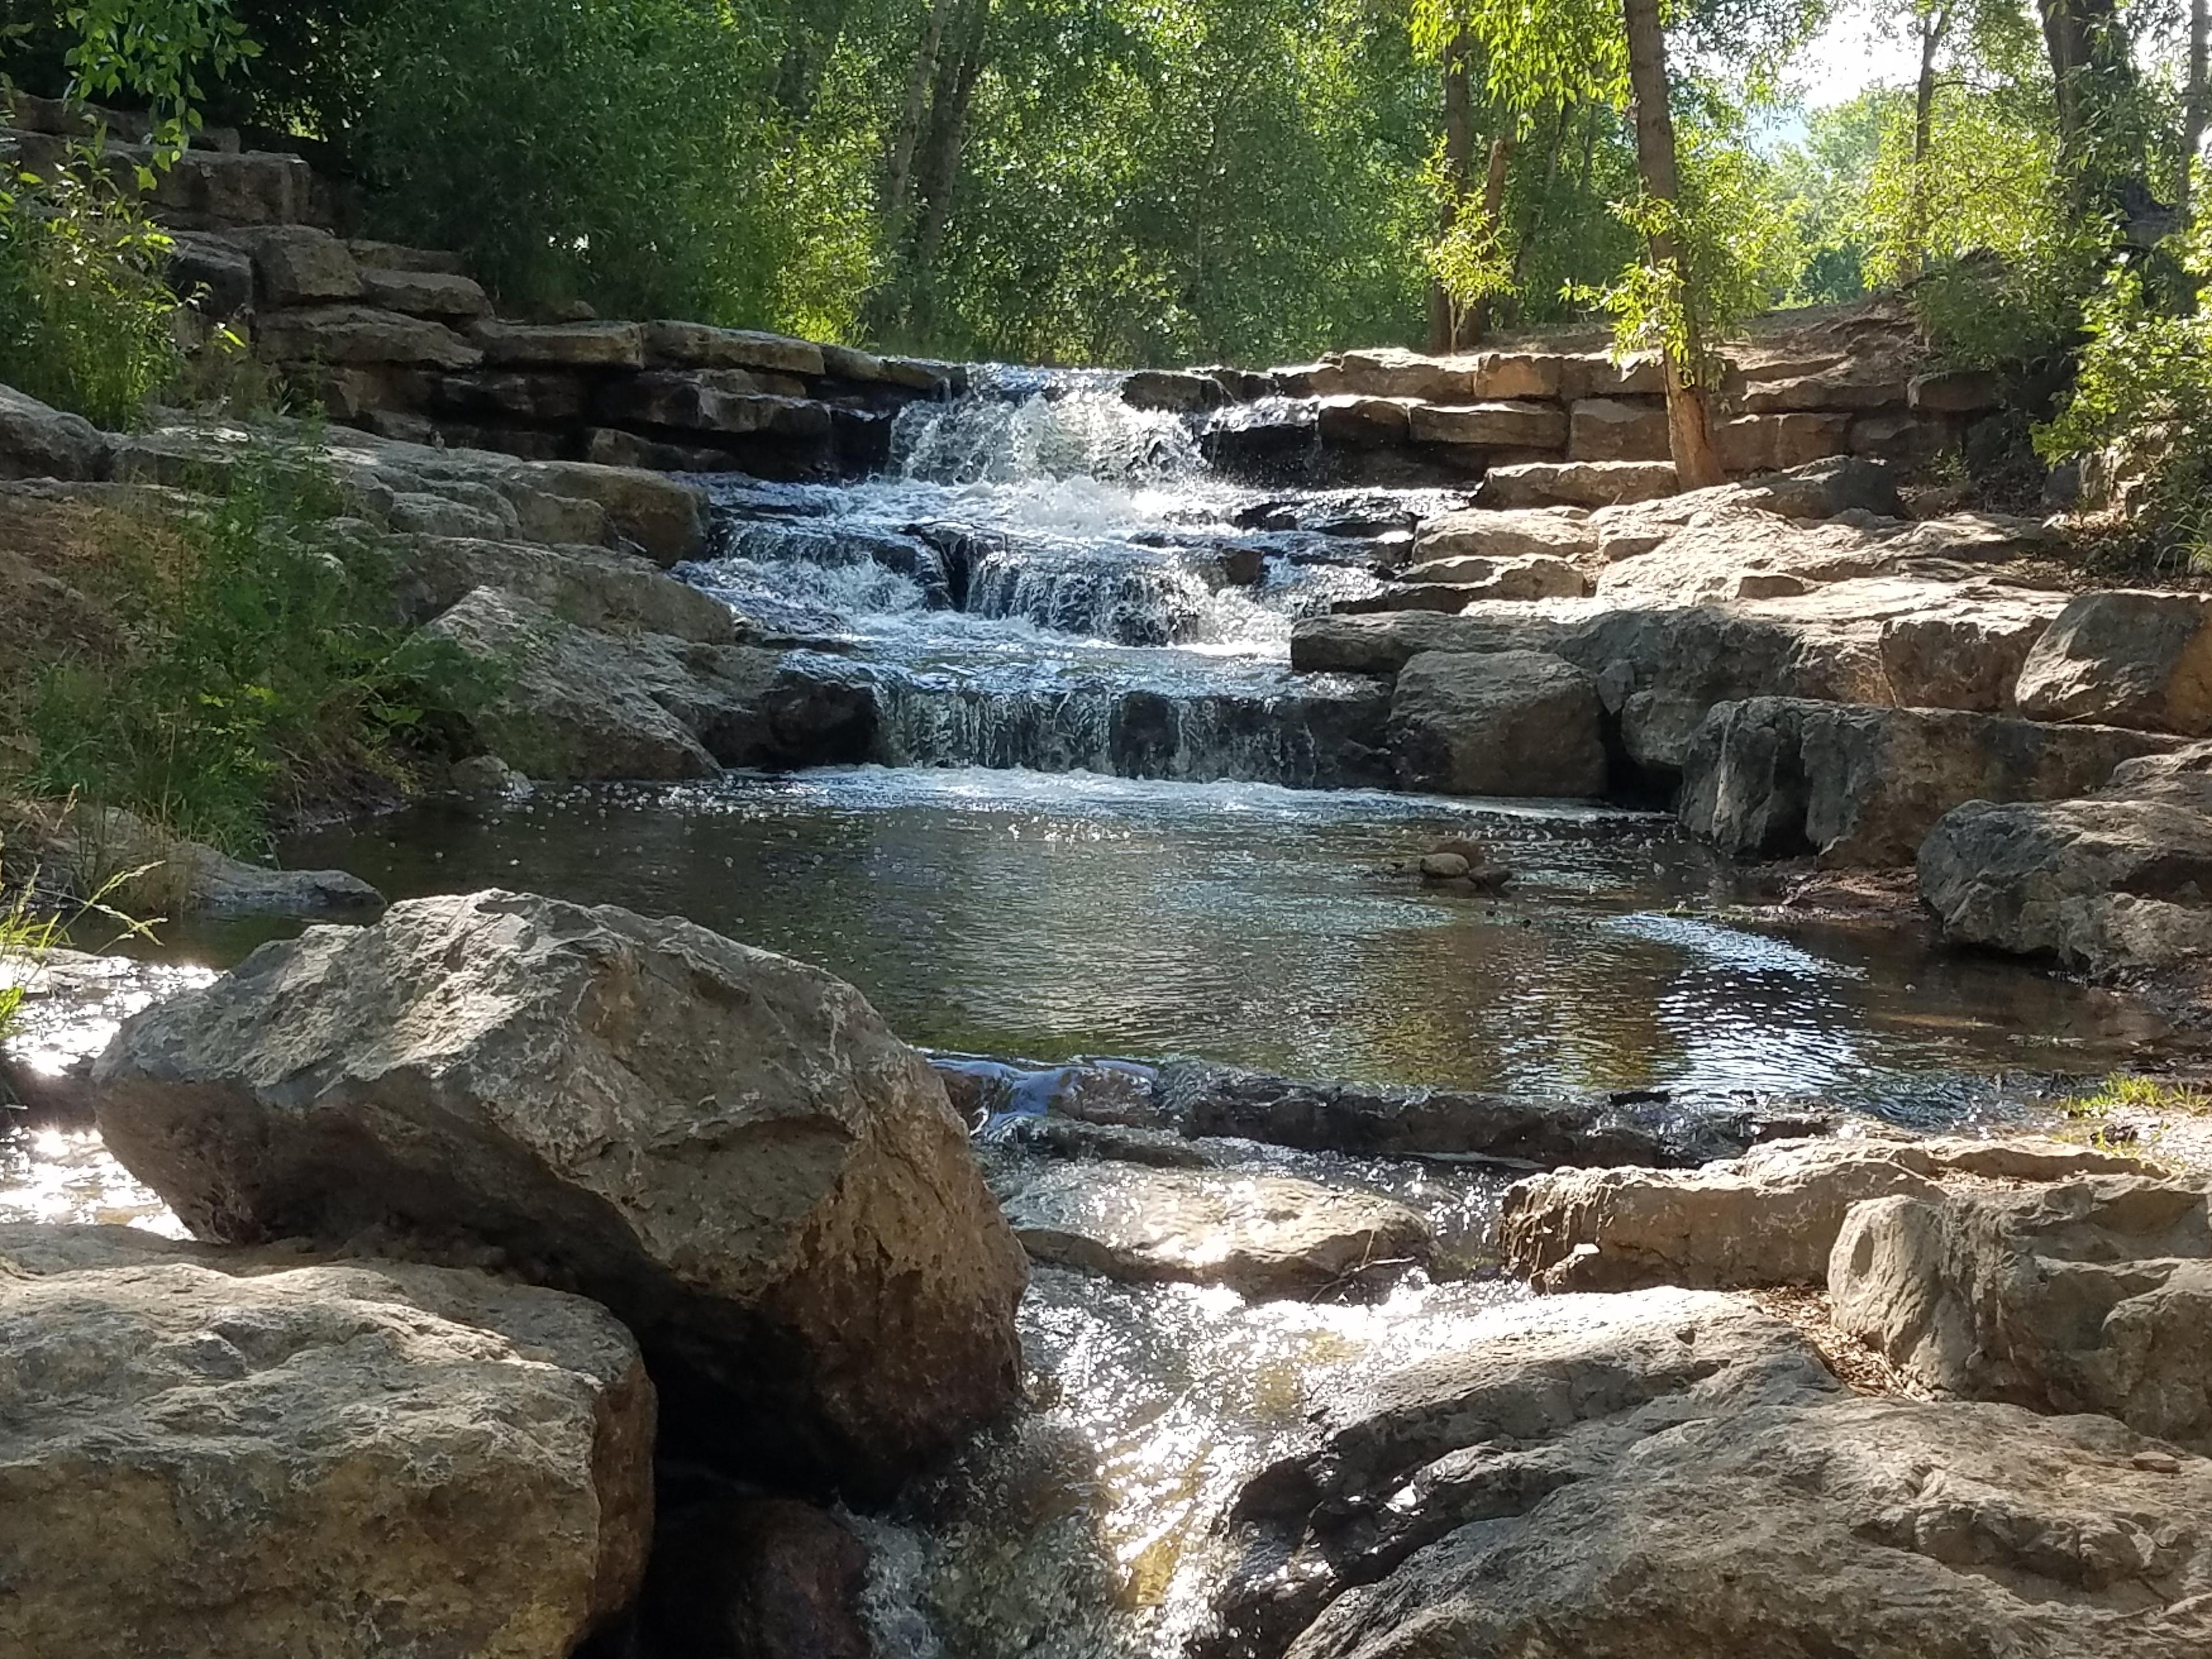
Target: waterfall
x,y
1046,578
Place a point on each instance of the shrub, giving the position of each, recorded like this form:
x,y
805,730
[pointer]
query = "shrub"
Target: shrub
x,y
599,148
2142,405
86,318
264,668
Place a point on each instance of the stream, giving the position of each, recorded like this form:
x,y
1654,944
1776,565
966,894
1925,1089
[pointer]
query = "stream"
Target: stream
x,y
1104,838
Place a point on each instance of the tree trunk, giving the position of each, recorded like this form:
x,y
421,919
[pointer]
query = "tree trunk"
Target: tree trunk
x,y
1540,198
1933,25
2091,75
940,172
1459,172
798,82
1474,322
2192,108
898,171
1689,418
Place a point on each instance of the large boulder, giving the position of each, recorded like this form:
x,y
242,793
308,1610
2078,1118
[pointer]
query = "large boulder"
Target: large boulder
x,y
209,1454
1474,576
1511,723
2126,659
300,265
2095,1296
727,1148
1577,483
1882,1529
1532,1400
1768,1218
1773,777
39,442
1503,425
89,847
1261,1235
1614,429
590,587
1673,1475
574,703
2119,880
1662,666
357,334
570,703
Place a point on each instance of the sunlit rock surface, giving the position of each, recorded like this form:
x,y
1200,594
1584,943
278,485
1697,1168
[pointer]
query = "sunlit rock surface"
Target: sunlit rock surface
x,y
219,1455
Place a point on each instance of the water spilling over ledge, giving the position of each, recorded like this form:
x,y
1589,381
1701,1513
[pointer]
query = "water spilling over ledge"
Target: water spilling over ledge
x,y
1046,578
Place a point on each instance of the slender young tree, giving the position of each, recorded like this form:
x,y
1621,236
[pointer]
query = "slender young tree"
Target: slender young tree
x,y
2193,105
1689,413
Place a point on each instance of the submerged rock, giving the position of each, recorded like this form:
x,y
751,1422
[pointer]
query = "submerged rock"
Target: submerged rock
x,y
1205,1100
209,1454
726,1147
1769,1218
2095,1296
1262,1235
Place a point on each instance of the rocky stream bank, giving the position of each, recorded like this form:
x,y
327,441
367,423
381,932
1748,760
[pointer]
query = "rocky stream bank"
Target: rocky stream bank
x,y
527,1278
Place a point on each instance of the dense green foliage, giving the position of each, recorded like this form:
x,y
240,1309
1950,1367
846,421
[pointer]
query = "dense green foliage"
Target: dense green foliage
x,y
1172,180
262,667
2142,402
85,313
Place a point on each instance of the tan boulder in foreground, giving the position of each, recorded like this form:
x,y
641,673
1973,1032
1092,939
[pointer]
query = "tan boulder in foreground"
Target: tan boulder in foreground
x,y
207,1453
725,1147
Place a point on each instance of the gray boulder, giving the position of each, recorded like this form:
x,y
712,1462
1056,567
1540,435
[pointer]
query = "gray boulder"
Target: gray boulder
x,y
1773,777
1514,723
39,442
2095,1296
1878,1528
1824,487
1768,1218
727,1148
2119,880
1534,1401
574,703
210,1454
589,587
2126,659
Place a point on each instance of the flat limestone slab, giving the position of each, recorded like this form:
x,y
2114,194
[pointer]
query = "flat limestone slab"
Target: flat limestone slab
x,y
1264,1235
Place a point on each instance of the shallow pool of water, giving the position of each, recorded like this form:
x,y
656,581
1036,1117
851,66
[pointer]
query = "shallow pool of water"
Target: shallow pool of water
x,y
1015,914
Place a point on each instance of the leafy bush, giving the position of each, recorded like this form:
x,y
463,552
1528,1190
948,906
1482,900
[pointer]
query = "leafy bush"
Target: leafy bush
x,y
2142,405
86,315
264,666
607,149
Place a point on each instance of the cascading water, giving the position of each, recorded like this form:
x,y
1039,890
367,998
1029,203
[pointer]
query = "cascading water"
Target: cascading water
x,y
1047,578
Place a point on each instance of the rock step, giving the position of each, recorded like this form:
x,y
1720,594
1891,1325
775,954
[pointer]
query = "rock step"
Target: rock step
x,y
1264,1236
1769,1217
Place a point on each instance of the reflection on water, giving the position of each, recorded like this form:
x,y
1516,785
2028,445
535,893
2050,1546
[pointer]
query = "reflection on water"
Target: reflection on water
x,y
61,1178
1088,1528
1010,913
